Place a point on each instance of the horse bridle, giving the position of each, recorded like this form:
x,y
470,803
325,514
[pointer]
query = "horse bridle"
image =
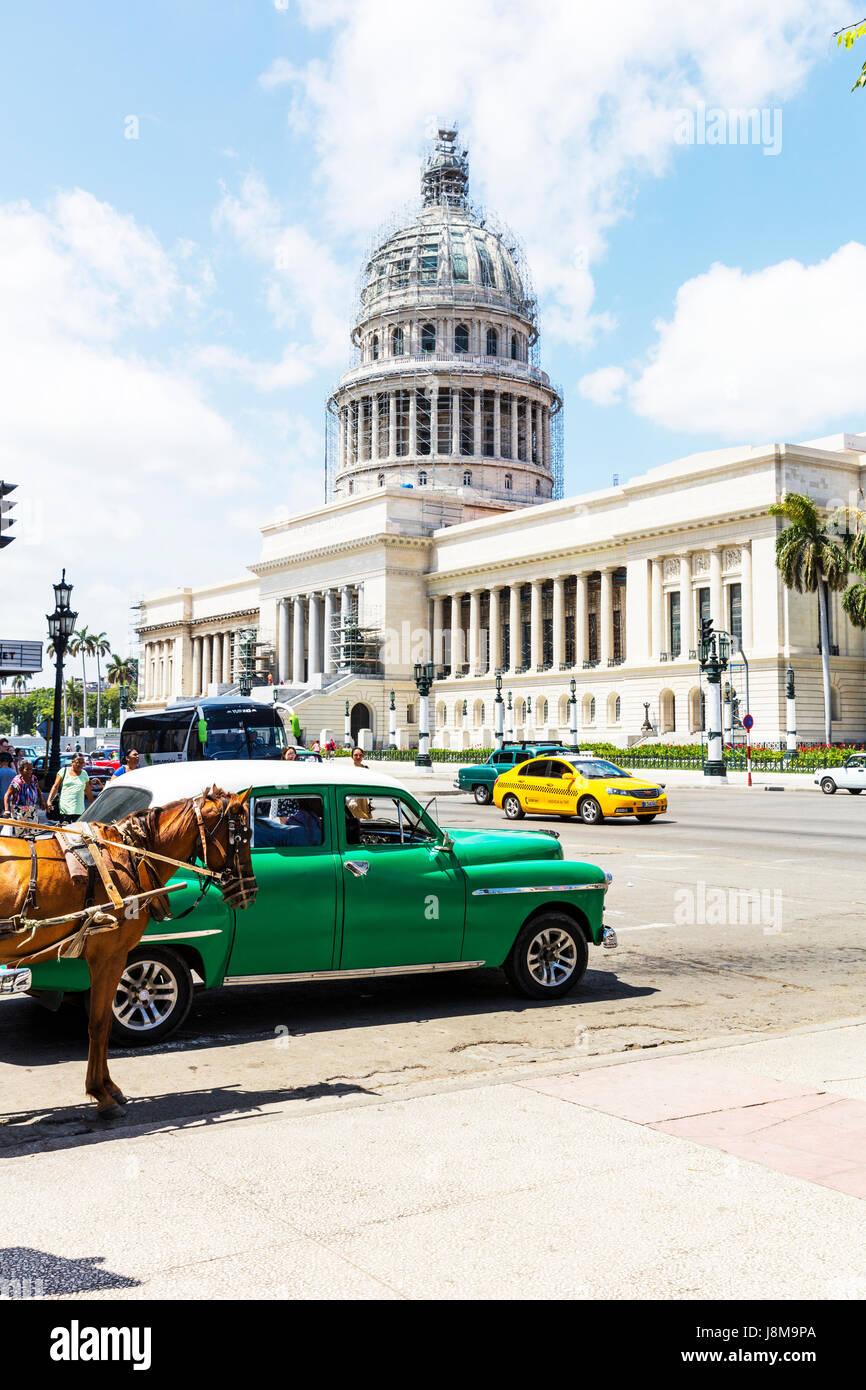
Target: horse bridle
x,y
238,889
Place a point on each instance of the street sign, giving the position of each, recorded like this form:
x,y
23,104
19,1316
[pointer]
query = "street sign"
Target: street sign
x,y
748,722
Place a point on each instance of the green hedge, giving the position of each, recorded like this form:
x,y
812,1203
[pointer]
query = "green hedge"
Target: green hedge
x,y
649,755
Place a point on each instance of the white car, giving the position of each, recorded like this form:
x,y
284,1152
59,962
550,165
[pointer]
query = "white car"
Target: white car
x,y
851,776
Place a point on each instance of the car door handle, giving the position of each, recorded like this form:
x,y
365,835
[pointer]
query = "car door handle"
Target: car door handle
x,y
358,867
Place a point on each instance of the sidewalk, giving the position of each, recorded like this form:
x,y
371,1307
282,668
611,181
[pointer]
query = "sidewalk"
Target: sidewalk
x,y
733,1170
442,776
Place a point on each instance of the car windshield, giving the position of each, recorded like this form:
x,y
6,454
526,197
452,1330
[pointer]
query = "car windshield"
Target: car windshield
x,y
116,802
599,767
244,733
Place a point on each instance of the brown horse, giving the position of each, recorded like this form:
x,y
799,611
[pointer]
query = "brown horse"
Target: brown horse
x,y
213,827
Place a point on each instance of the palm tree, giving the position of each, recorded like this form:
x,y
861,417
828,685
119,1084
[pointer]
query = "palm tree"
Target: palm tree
x,y
100,647
69,697
811,558
19,683
119,670
80,645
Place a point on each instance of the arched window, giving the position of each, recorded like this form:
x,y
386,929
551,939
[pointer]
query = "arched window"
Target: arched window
x,y
564,711
351,486
397,342
835,703
508,482
428,338
410,714
374,347
614,709
467,477
422,479
461,338
667,712
540,712
478,714
492,343
381,479
514,346
441,714
458,714
538,487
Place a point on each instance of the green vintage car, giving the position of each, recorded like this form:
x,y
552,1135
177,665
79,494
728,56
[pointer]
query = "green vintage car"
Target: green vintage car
x,y
355,879
478,778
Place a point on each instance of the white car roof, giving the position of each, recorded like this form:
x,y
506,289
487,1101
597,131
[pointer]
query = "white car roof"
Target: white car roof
x,y
172,781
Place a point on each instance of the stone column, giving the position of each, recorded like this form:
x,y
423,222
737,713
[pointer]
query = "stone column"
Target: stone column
x,y
497,424
351,434
314,661
392,424
456,635
516,635
605,642
434,421
746,587
535,626
216,658
413,422
227,658
657,602
717,608
474,644
345,616
206,659
514,433
374,425
477,448
196,666
558,622
581,603
284,661
494,631
298,643
539,433
687,607
341,448
438,631
548,457
329,665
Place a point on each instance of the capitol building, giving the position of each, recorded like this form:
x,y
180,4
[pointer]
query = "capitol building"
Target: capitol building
x,y
445,536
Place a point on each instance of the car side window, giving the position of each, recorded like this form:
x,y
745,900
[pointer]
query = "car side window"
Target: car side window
x,y
383,820
501,758
288,822
558,769
534,768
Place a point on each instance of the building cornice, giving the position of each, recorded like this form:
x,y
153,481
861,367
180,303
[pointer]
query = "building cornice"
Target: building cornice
x,y
216,620
388,539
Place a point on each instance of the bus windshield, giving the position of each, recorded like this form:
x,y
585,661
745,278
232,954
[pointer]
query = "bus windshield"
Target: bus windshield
x,y
241,732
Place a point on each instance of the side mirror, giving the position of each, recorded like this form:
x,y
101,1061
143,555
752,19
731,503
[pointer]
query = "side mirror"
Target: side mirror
x,y
444,846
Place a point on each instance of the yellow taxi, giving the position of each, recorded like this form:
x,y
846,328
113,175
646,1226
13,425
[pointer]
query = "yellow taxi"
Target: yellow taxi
x,y
591,788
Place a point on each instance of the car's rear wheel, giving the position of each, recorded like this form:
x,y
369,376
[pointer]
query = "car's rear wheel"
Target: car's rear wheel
x,y
153,997
548,958
512,807
828,786
646,819
590,811
483,795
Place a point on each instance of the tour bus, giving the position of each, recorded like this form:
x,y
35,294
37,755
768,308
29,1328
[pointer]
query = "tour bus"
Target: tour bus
x,y
227,726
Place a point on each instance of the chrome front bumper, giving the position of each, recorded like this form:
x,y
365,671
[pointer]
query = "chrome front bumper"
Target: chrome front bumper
x,y
608,939
13,980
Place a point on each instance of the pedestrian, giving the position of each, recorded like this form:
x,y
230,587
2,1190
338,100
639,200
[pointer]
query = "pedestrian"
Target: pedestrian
x,y
317,747
330,748
23,799
129,764
78,747
73,788
7,771
289,754
358,758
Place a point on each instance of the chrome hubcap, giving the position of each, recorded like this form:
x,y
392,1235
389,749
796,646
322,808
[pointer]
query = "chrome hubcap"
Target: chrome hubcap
x,y
146,995
551,957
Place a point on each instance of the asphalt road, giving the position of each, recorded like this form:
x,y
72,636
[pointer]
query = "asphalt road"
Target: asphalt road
x,y
697,960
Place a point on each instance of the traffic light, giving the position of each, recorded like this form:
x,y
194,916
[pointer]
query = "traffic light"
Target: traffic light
x,y
5,509
706,630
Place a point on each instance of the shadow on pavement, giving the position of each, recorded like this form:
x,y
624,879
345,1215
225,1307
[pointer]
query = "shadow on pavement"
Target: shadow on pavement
x,y
67,1127
27,1273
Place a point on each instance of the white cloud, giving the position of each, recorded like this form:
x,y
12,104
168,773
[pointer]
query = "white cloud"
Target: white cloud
x,y
604,387
770,355
565,107
124,470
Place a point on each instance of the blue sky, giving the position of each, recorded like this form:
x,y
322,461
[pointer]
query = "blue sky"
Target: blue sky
x,y
177,305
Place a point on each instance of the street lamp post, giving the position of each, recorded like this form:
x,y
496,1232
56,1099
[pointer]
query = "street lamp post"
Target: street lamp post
x,y
61,625
510,709
499,705
572,712
791,710
347,728
424,682
465,723
714,662
392,723
123,702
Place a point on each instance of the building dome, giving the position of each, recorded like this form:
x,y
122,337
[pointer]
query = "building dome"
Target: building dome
x,y
446,395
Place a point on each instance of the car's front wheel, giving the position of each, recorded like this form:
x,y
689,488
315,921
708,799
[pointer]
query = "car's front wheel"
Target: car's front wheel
x,y
153,997
512,807
590,811
828,786
855,791
483,795
548,958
